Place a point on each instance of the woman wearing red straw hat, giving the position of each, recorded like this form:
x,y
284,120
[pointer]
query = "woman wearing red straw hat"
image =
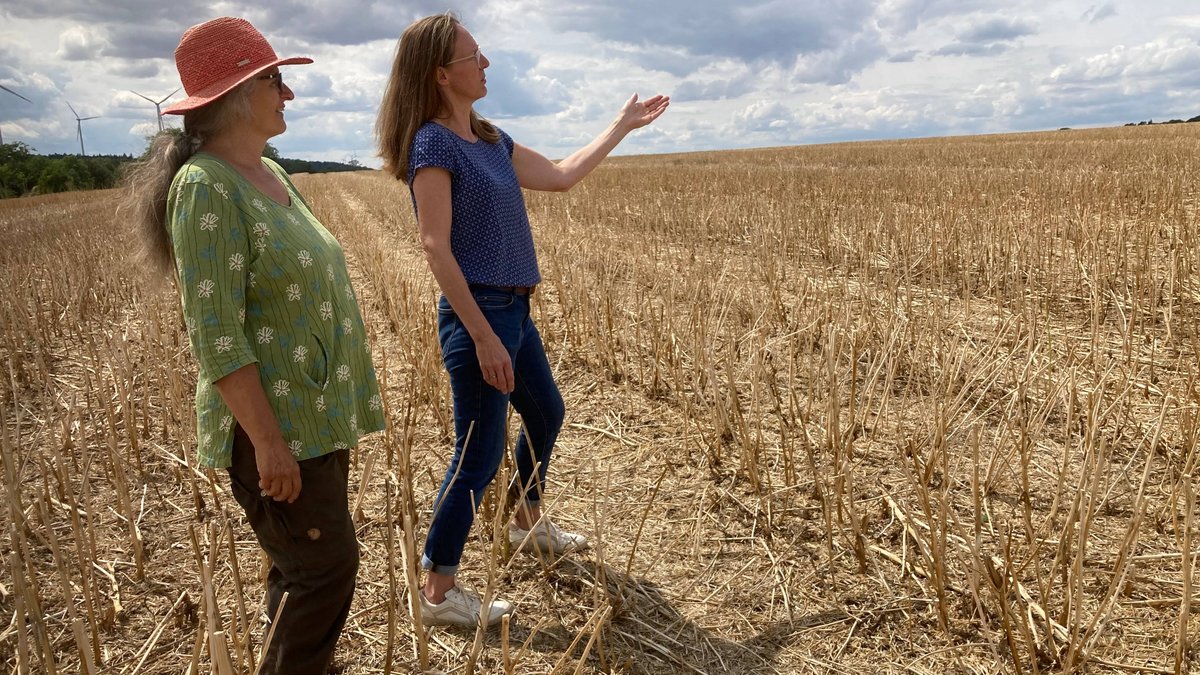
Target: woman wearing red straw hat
x,y
286,384
465,177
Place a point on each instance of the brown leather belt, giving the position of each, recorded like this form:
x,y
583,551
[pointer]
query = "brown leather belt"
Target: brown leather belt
x,y
515,290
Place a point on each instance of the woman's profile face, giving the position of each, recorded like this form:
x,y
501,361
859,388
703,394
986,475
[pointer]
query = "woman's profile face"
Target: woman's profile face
x,y
464,71
267,101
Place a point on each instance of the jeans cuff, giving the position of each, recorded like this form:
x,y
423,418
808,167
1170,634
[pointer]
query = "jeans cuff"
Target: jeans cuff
x,y
532,502
448,570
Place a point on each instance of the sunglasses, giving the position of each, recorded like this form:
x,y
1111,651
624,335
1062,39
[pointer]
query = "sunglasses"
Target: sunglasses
x,y
276,80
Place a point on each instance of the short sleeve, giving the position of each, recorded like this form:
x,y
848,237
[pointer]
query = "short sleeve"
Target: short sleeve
x,y
430,147
212,252
507,141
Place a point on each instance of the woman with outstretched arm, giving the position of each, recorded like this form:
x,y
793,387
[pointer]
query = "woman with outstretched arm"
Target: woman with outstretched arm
x,y
465,177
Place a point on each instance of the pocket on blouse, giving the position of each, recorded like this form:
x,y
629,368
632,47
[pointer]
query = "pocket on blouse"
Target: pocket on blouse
x,y
317,367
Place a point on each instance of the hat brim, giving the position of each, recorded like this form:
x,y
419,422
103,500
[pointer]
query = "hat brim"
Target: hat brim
x,y
218,89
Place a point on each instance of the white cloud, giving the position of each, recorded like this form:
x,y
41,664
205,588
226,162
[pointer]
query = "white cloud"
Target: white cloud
x,y
138,69
80,43
1162,57
1184,21
997,29
1003,99
757,30
764,116
761,72
987,35
1098,13
718,79
143,130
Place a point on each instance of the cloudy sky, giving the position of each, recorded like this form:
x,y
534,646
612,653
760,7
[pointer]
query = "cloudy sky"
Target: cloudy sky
x,y
741,74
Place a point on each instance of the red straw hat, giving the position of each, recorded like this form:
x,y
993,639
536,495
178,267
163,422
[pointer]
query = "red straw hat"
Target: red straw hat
x,y
218,55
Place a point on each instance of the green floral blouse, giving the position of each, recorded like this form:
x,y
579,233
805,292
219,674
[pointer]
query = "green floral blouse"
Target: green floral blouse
x,y
263,282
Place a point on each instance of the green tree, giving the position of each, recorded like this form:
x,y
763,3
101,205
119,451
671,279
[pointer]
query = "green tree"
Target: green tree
x,y
103,172
14,160
79,175
22,172
54,178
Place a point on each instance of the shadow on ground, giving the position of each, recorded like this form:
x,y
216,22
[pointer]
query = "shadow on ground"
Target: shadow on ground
x,y
645,633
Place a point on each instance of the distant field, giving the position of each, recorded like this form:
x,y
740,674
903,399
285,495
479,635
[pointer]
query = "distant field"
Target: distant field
x,y
922,406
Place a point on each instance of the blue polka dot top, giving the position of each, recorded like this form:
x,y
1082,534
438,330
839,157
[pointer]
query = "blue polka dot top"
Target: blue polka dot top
x,y
489,228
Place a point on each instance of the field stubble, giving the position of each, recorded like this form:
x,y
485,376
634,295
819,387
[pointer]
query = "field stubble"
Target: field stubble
x,y
921,406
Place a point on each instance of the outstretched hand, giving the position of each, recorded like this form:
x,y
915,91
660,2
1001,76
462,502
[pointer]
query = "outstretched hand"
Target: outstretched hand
x,y
636,114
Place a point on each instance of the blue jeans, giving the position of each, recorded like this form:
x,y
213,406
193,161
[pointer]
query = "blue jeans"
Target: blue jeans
x,y
481,411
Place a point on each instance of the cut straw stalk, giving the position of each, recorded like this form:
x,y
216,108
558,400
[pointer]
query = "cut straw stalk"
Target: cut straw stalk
x,y
271,632
244,620
121,484
148,647
23,659
1182,646
393,597
25,581
367,475
499,530
408,551
594,627
87,664
997,568
218,647
86,577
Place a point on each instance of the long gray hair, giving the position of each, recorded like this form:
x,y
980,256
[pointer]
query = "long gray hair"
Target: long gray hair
x,y
148,180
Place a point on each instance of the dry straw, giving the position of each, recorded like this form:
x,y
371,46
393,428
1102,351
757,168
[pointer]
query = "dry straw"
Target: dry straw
x,y
920,406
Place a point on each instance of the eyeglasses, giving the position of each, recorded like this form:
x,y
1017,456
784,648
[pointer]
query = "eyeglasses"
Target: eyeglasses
x,y
477,55
276,80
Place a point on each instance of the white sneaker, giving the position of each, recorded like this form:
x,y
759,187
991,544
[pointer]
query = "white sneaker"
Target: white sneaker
x,y
461,607
545,538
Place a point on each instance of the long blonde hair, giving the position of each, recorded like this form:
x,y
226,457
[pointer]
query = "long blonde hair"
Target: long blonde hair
x,y
147,181
412,97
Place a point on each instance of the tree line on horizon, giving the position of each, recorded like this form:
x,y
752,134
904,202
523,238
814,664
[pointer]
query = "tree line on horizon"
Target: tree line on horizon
x,y
24,173
1175,121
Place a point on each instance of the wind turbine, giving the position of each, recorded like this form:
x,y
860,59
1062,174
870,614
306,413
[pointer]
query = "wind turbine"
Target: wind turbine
x,y
79,126
157,104
18,96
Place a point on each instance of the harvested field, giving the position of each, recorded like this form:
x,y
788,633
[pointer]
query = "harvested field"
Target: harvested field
x,y
922,406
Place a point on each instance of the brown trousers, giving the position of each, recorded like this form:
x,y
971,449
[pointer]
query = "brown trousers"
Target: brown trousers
x,y
314,557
